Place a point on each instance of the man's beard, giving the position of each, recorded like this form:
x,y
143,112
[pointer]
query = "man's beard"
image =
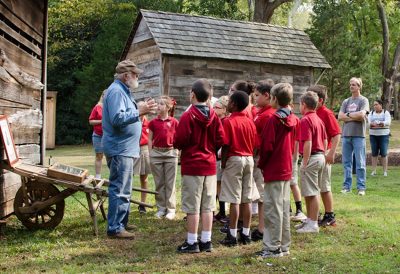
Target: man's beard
x,y
132,84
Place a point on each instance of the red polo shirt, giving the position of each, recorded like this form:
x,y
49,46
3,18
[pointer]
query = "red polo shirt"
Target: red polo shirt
x,y
261,119
312,129
97,114
144,138
332,126
240,134
163,131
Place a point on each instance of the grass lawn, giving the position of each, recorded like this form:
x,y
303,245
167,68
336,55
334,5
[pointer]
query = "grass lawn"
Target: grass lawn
x,y
365,240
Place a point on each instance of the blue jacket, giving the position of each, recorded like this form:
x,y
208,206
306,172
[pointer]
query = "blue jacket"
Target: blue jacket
x,y
121,123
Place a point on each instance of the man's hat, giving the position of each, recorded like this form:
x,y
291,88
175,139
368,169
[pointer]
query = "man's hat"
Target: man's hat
x,y
126,66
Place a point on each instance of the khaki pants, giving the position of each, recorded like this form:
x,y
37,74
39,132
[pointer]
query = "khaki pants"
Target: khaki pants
x,y
311,176
237,180
164,169
277,216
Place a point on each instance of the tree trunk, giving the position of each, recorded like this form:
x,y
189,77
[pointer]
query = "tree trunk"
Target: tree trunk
x,y
389,73
264,9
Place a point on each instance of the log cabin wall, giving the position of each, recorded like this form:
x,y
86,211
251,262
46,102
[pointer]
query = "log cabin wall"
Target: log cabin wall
x,y
183,71
22,32
145,53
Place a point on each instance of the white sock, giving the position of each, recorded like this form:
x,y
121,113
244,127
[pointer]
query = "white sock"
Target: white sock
x,y
205,236
233,232
191,238
313,223
246,231
98,176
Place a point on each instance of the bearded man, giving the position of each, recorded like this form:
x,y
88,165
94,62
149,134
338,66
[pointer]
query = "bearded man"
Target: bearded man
x,y
121,134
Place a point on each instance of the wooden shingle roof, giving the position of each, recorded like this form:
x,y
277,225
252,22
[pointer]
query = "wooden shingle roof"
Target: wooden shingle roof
x,y
200,36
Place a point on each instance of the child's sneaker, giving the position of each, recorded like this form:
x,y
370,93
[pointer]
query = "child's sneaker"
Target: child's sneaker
x,y
308,228
142,209
256,235
229,240
269,254
385,174
345,191
188,248
205,247
373,173
300,225
285,252
299,217
361,192
160,214
244,240
327,220
170,216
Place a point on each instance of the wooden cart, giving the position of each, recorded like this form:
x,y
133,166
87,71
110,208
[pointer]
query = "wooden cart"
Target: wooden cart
x,y
39,202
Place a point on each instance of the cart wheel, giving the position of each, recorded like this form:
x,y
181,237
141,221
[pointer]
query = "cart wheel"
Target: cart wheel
x,y
49,217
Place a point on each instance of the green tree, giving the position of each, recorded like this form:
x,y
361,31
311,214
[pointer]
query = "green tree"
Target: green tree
x,y
345,33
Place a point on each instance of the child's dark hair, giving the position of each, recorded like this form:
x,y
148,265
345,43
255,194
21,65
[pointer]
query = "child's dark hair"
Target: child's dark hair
x,y
320,90
246,86
170,103
202,89
240,99
265,86
379,101
283,92
310,99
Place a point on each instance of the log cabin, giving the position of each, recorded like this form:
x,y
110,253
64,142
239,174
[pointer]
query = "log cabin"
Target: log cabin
x,y
23,49
176,49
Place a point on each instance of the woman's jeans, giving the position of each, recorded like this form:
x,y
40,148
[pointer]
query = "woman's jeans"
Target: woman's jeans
x,y
356,146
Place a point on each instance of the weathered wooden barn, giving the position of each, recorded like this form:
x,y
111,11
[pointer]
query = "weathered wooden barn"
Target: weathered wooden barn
x,y
23,39
176,49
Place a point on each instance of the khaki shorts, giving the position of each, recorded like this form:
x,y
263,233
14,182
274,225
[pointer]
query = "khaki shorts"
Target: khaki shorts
x,y
259,183
311,176
198,194
325,184
237,180
295,172
142,165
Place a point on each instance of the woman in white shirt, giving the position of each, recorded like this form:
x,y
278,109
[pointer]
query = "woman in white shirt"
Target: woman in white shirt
x,y
379,131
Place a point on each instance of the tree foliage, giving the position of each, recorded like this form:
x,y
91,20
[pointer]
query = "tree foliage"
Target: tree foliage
x,y
348,33
85,41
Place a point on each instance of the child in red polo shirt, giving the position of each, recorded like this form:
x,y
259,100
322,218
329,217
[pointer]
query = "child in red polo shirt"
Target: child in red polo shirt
x,y
312,146
265,111
163,157
237,162
142,165
199,135
333,133
276,151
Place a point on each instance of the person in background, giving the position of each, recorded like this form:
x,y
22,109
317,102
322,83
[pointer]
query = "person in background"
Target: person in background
x,y
220,108
142,166
199,135
333,133
95,121
262,96
312,146
379,131
163,157
237,162
276,152
121,135
353,114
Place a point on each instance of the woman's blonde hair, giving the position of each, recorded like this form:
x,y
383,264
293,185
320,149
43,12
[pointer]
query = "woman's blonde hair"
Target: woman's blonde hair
x,y
170,103
357,80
